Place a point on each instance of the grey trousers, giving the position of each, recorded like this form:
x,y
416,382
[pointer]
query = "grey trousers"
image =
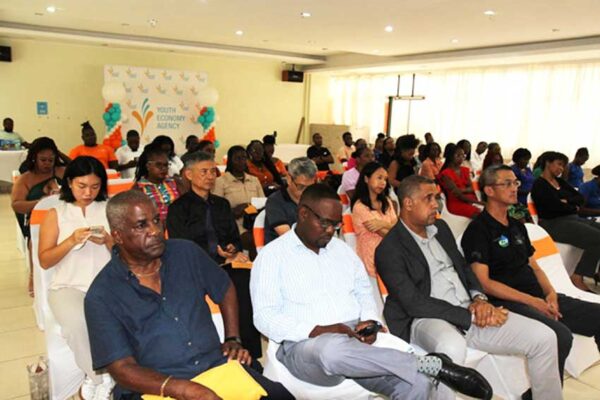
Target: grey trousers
x,y
518,336
67,307
578,232
328,359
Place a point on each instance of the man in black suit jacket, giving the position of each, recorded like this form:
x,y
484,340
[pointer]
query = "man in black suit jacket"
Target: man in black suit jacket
x,y
436,301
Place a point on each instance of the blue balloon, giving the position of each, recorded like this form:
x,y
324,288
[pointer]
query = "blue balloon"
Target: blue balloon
x,y
106,116
217,144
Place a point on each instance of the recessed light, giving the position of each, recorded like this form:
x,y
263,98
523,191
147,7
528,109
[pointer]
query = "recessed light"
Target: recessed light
x,y
389,28
324,49
489,13
305,14
239,33
124,24
555,30
39,14
51,9
454,40
153,22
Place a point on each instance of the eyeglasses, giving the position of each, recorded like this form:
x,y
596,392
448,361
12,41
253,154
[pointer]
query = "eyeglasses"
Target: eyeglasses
x,y
324,222
507,184
160,165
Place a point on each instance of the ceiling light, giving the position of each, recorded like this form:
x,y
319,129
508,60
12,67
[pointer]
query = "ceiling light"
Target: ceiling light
x,y
324,49
305,14
124,24
454,40
39,14
239,33
51,9
375,51
389,28
153,22
489,13
555,30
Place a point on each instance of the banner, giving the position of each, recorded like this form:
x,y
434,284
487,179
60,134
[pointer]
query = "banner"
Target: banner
x,y
157,102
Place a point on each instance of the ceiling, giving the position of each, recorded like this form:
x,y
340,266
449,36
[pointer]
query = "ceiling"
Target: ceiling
x,y
275,28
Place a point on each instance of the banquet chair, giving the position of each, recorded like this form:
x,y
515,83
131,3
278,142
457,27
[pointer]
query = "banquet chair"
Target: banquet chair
x,y
65,376
21,242
216,317
347,390
112,174
119,185
584,352
457,223
258,231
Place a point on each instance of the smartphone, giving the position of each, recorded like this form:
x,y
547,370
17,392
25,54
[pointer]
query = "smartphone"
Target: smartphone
x,y
97,230
370,329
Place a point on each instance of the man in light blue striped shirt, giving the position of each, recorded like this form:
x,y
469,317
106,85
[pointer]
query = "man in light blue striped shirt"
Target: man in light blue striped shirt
x,y
311,293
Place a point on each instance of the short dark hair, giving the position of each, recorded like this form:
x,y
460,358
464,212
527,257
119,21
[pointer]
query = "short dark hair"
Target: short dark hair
x,y
132,133
582,151
317,192
407,142
362,188
596,170
520,153
38,145
346,134
232,150
161,140
196,157
553,156
488,177
201,145
150,150
189,140
82,166
409,185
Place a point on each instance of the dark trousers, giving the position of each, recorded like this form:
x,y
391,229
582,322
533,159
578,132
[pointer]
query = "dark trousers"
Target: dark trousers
x,y
275,390
578,316
578,232
248,333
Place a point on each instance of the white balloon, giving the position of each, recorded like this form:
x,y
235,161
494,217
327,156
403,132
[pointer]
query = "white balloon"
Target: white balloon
x,y
113,92
208,96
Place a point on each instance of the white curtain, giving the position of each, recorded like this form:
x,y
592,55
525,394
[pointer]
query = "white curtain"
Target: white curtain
x,y
540,107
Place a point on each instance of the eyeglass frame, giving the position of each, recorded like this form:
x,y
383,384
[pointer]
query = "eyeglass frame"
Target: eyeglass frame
x,y
508,183
325,223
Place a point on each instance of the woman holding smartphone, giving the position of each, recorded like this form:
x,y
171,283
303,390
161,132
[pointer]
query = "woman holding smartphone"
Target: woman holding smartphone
x,y
75,242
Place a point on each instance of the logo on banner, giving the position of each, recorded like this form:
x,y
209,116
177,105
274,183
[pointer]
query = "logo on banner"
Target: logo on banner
x,y
145,117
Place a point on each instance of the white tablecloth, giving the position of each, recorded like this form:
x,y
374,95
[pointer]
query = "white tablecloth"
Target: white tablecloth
x,y
10,160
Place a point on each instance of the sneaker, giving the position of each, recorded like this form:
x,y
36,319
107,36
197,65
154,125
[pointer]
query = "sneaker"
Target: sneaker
x,y
88,389
104,390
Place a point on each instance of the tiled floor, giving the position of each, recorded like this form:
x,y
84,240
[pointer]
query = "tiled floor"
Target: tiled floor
x,y
21,342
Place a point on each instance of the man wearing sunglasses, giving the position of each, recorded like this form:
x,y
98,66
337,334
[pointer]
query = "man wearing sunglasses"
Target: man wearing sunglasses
x,y
282,206
311,293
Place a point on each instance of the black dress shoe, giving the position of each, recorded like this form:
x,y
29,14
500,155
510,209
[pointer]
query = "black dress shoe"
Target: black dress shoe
x,y
462,379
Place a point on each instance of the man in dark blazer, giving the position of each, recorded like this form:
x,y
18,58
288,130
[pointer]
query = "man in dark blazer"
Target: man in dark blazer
x,y
436,302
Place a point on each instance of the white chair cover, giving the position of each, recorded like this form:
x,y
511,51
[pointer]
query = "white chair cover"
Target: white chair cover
x,y
584,352
65,375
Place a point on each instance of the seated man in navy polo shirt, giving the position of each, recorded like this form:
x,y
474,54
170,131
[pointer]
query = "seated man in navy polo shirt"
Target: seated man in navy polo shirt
x,y
147,317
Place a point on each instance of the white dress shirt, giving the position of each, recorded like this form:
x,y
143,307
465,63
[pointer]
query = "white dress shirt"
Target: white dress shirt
x,y
294,289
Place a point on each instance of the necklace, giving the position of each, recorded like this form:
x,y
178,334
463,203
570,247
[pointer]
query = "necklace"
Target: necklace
x,y
148,273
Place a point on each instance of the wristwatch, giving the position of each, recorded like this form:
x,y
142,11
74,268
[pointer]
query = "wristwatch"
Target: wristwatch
x,y
480,296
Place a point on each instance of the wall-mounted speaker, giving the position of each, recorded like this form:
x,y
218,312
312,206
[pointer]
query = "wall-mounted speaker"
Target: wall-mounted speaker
x,y
5,54
292,76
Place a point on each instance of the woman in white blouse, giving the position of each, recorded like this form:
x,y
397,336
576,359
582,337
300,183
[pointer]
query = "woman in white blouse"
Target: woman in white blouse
x,y
75,243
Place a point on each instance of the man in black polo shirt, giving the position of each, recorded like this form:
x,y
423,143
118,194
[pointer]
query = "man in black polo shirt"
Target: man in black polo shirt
x,y
282,206
148,323
501,256
319,154
208,221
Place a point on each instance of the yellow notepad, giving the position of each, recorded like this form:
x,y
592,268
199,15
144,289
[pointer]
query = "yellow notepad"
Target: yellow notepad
x,y
229,381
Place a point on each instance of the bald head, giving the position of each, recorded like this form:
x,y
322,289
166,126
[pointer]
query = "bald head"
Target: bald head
x,y
119,207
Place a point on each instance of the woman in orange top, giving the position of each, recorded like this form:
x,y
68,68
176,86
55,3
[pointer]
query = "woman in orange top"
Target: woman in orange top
x,y
263,168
